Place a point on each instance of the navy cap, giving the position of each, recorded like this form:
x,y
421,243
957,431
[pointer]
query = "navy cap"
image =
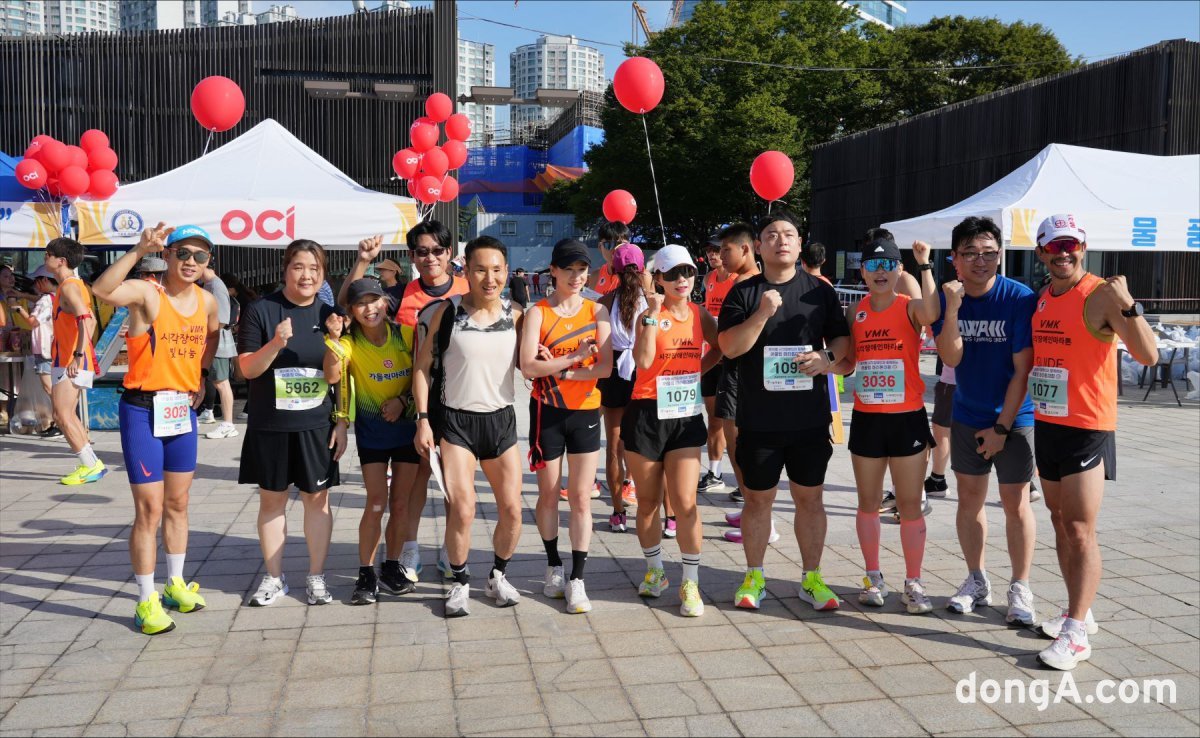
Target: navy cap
x,y
361,288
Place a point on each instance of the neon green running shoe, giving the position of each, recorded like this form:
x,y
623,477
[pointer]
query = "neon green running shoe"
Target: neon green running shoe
x,y
182,596
690,604
654,584
151,618
85,474
750,594
814,592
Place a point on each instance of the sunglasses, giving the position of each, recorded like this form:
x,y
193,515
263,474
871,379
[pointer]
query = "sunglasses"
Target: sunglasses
x,y
1062,246
201,256
423,253
685,271
874,265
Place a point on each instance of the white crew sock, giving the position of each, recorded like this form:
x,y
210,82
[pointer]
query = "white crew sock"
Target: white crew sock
x,y
87,456
653,557
411,546
691,567
145,583
715,467
175,566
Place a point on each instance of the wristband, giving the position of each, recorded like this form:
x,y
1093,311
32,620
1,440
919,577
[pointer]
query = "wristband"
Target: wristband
x,y
81,318
338,415
78,354
203,372
336,347
422,416
928,267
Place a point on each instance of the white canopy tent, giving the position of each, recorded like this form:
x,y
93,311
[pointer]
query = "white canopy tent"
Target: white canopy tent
x,y
1125,202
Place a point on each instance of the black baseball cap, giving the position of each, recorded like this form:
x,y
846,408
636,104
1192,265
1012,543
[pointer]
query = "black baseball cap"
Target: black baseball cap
x,y
881,248
569,251
361,288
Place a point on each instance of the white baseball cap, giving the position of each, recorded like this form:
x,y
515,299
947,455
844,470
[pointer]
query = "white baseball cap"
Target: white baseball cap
x,y
671,256
1060,226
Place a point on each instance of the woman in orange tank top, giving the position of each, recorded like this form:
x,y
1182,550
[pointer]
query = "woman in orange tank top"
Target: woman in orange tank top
x,y
565,350
889,428
663,428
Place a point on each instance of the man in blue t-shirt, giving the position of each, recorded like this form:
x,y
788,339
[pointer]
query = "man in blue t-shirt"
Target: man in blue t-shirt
x,y
986,334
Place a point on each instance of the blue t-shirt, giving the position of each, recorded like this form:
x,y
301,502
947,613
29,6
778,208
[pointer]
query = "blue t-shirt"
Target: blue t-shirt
x,y
993,328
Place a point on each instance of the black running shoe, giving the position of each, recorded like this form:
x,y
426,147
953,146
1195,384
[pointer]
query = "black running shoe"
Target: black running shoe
x,y
393,580
889,504
366,589
51,432
736,494
936,487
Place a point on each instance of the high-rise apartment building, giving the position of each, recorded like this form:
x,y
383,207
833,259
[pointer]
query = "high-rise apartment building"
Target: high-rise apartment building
x,y
21,17
888,13
158,15
477,66
554,62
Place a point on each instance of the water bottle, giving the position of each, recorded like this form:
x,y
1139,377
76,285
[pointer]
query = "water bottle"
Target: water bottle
x,y
24,423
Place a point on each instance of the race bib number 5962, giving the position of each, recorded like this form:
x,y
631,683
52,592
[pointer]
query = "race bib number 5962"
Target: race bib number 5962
x,y
299,388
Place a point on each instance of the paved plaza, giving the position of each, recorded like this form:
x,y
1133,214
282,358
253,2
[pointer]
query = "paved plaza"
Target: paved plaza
x,y
72,662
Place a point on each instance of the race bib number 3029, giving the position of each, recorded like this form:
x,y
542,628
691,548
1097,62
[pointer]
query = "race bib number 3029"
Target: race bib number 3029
x,y
172,414
781,371
299,388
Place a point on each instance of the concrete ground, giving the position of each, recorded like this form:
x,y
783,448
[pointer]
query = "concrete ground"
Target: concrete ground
x,y
72,662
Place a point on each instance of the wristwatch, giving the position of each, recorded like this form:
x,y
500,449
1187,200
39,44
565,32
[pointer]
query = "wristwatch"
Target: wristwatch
x,y
830,357
647,320
78,354
1133,312
422,416
1000,430
203,372
926,267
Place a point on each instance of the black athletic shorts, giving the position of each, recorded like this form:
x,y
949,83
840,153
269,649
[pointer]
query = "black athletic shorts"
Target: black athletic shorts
x,y
406,454
1062,450
763,456
943,404
554,431
709,381
644,434
614,391
727,392
486,435
883,435
275,460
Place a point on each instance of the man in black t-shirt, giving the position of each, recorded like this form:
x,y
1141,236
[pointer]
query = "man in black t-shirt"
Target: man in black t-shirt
x,y
518,289
785,328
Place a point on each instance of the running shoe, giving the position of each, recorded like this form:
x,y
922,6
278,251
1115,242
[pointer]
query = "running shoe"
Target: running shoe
x,y
577,599
1035,494
935,487
51,432
914,597
750,594
669,528
205,417
443,565
970,595
1052,628
594,494
1020,606
270,590
617,522
736,494
555,586
690,604
926,507
243,415
151,618
814,592
224,430
654,584
410,562
874,590
85,474
458,600
734,518
366,589
710,483
629,493
1067,651
735,535
318,593
182,597
888,505
395,579
500,590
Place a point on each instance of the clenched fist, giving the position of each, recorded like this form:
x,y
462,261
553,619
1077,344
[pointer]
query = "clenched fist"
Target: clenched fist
x,y
954,294
654,302
769,303
369,248
1115,289
283,332
921,252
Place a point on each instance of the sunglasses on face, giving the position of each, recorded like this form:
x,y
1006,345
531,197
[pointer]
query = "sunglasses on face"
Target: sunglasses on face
x,y
199,255
987,256
874,265
1062,246
675,273
425,253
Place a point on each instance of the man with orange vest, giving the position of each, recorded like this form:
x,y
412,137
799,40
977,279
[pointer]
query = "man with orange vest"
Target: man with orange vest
x,y
1073,386
717,284
611,235
174,332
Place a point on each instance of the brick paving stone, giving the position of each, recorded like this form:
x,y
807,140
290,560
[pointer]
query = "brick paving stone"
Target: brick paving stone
x,y
781,721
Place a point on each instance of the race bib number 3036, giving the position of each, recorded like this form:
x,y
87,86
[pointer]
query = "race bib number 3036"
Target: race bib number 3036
x,y
881,381
299,388
781,371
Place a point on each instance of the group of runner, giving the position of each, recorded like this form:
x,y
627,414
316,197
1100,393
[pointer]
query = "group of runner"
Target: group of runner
x,y
430,388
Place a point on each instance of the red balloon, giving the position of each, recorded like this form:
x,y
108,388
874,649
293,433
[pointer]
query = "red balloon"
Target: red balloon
x,y
619,206
103,184
424,136
449,190
435,163
31,173
638,84
74,181
53,188
54,156
439,106
772,175
218,103
93,138
427,190
37,142
458,127
79,157
102,158
405,163
456,153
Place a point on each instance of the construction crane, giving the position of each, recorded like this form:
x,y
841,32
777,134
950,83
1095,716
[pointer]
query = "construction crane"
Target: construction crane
x,y
676,12
639,13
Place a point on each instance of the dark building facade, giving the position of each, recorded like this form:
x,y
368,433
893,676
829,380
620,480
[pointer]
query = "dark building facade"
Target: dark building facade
x,y
1146,102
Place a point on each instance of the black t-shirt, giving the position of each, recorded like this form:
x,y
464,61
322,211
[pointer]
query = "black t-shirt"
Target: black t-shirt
x,y
305,349
810,315
519,290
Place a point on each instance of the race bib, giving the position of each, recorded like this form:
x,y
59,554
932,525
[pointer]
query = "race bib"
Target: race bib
x,y
881,382
679,396
172,414
781,371
1048,390
299,389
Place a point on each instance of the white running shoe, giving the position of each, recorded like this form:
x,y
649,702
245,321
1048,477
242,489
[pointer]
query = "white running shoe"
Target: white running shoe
x,y
1020,605
1067,651
224,430
499,589
970,594
318,593
555,587
914,597
874,590
1053,627
410,561
270,590
577,599
458,600
206,417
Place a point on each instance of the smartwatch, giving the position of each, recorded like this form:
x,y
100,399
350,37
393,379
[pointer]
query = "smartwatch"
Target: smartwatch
x,y
1133,312
927,267
203,372
830,357
1000,430
647,320
422,416
78,354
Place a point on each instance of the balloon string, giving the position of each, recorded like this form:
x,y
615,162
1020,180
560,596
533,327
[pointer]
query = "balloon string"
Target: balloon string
x,y
654,180
207,144
769,204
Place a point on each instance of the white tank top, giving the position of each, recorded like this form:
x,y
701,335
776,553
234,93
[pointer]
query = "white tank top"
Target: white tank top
x,y
479,362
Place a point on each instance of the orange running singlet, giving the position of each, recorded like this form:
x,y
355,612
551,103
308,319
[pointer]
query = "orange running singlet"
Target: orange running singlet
x,y
607,281
563,336
1074,377
66,330
887,352
715,292
415,299
167,356
676,351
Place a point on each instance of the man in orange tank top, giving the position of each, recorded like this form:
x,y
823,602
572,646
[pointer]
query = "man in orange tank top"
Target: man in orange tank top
x,y
717,284
174,331
1073,386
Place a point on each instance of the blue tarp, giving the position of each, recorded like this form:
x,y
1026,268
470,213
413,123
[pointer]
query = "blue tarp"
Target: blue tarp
x,y
569,150
10,189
